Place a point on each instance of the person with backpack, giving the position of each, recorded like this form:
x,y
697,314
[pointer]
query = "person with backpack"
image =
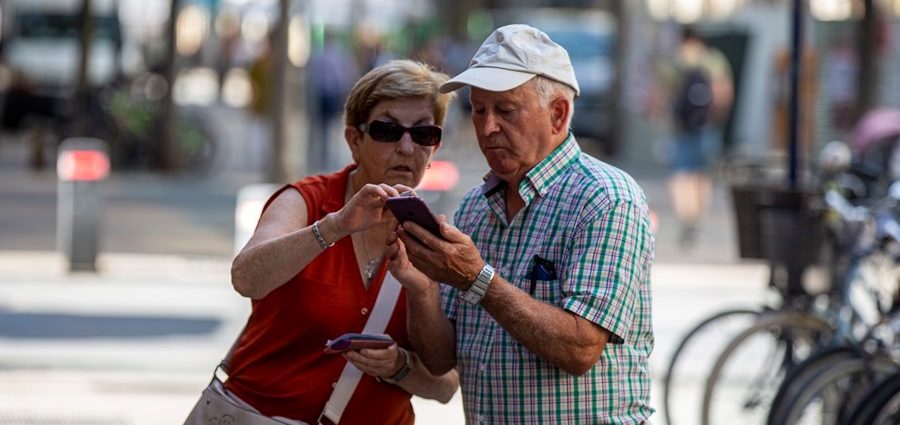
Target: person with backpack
x,y
700,95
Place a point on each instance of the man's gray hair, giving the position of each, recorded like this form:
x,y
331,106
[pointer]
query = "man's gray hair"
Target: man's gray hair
x,y
547,89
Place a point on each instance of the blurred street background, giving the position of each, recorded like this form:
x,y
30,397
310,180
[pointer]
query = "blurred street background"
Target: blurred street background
x,y
197,100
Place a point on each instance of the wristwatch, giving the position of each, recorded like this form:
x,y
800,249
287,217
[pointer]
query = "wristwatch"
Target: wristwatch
x,y
407,366
479,287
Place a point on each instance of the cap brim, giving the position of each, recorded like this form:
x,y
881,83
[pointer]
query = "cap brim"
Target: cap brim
x,y
490,79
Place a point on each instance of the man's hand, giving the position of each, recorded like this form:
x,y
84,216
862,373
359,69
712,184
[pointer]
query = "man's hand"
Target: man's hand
x,y
454,260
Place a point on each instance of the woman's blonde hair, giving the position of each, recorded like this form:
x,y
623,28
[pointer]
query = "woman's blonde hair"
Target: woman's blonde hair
x,y
396,79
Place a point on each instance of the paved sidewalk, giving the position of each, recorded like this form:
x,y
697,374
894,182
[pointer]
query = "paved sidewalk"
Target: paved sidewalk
x,y
135,343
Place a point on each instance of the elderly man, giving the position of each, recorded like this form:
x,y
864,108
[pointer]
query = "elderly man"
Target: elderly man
x,y
544,301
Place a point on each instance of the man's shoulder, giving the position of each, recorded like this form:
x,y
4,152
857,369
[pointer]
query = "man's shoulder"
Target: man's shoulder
x,y
600,181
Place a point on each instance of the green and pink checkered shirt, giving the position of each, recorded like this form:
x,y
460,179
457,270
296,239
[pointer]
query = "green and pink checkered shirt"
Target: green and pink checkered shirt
x,y
591,221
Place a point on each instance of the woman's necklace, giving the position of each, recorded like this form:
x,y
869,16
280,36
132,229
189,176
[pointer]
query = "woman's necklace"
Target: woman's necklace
x,y
371,264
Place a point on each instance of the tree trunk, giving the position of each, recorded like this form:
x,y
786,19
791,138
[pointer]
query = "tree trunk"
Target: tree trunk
x,y
82,87
868,62
277,172
168,160
617,132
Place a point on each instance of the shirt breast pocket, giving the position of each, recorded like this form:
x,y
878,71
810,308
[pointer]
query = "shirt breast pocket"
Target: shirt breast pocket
x,y
543,281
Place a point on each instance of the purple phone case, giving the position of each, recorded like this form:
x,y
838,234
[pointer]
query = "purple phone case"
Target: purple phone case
x,y
355,341
413,208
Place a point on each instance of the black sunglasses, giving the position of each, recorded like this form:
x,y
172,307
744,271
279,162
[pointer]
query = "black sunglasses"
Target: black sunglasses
x,y
385,132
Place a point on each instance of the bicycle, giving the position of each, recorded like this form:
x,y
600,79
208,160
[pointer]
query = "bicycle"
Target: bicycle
x,y
827,386
705,342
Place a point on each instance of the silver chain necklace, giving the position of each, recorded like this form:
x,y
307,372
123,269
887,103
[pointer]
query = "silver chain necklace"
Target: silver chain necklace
x,y
372,266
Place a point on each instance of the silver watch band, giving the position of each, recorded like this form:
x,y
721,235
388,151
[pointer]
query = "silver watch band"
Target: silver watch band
x,y
479,287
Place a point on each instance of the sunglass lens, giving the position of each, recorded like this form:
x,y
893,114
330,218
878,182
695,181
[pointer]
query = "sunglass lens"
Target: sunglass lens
x,y
385,132
426,135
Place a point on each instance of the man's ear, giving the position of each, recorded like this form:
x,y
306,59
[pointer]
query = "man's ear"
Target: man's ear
x,y
560,109
354,139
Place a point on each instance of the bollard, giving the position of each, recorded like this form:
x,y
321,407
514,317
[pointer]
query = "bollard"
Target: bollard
x,y
250,202
81,164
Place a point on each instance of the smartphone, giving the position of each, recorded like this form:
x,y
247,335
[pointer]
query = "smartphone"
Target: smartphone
x,y
357,341
413,208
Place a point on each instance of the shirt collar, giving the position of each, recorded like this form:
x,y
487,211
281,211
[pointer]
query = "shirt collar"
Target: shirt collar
x,y
541,177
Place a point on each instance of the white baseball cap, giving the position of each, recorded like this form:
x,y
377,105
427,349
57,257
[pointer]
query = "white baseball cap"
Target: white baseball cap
x,y
512,55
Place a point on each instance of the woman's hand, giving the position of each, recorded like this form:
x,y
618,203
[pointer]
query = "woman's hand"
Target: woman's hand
x,y
365,209
410,277
380,363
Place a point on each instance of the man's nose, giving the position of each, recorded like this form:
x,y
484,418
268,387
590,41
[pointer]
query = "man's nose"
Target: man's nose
x,y
489,124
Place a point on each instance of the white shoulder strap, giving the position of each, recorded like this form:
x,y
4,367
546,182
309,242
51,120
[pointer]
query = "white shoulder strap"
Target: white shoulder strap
x,y
346,384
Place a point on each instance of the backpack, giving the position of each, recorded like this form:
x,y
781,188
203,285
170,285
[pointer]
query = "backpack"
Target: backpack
x,y
694,98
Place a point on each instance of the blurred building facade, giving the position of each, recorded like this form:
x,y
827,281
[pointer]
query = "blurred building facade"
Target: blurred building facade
x,y
219,40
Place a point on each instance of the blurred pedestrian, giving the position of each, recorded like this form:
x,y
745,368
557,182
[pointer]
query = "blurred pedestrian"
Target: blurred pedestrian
x,y
315,264
332,71
544,296
700,94
259,140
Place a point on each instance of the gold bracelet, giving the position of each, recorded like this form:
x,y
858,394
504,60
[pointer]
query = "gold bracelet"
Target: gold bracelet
x,y
319,238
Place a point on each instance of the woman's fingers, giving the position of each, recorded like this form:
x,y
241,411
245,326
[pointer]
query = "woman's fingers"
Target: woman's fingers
x,y
393,191
376,362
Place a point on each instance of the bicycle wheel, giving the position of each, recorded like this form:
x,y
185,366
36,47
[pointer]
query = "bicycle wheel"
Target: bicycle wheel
x,y
683,381
828,398
881,405
745,377
804,372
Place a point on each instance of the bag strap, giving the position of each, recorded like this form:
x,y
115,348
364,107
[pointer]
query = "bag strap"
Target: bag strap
x,y
350,376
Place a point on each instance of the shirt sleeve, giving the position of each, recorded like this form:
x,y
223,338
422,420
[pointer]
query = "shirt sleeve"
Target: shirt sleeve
x,y
449,301
603,275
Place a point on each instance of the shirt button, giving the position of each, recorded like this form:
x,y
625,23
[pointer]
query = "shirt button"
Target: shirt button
x,y
364,311
482,367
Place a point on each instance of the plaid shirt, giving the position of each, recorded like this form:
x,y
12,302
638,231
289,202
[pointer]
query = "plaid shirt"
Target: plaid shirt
x,y
591,221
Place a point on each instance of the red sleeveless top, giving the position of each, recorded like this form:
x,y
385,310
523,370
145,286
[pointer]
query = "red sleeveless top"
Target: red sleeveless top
x,y
279,366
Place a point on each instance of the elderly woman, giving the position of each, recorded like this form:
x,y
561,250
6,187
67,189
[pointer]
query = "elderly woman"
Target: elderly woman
x,y
315,264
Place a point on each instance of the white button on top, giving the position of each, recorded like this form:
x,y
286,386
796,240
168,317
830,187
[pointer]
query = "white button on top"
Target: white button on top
x,y
364,311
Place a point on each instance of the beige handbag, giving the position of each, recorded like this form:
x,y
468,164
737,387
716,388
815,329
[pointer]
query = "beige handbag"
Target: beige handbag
x,y
216,407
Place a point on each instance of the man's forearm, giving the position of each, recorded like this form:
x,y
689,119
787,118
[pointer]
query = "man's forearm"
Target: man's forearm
x,y
422,383
561,338
430,332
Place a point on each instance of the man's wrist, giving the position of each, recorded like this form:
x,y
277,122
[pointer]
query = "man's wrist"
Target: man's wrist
x,y
479,286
